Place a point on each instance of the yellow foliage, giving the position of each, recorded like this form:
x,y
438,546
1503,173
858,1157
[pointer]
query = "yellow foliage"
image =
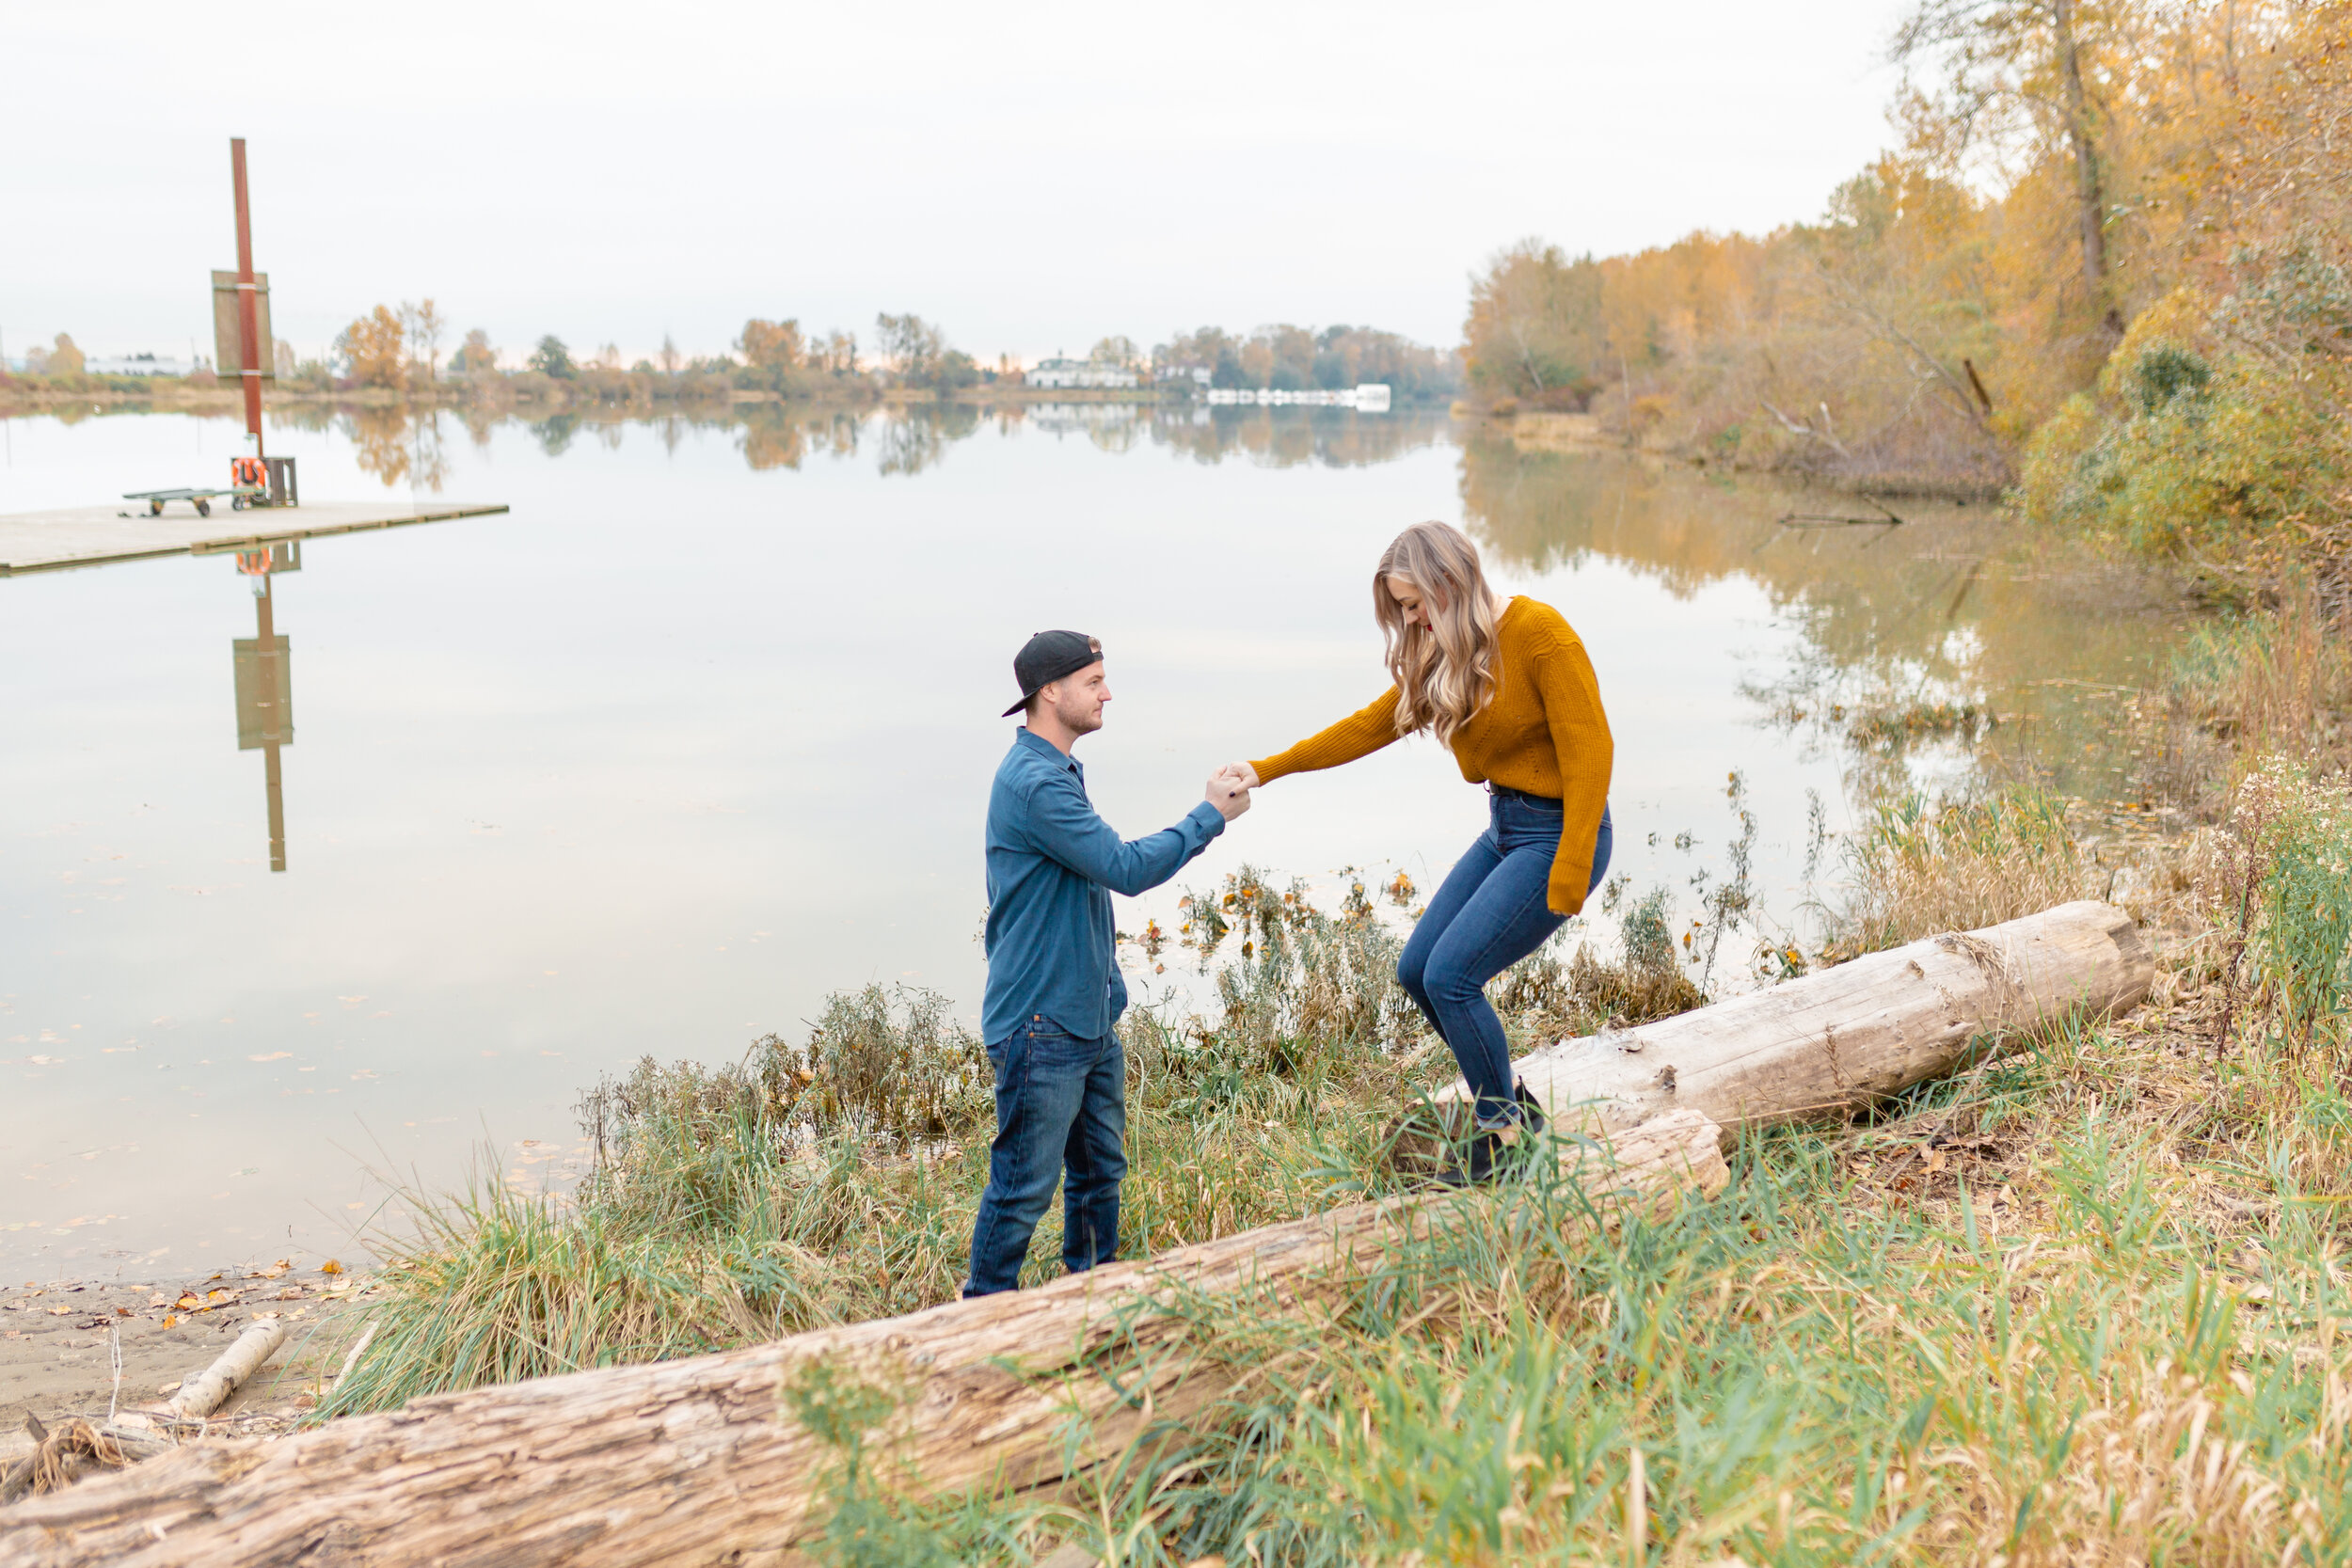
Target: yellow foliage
x,y
375,348
1959,293
772,345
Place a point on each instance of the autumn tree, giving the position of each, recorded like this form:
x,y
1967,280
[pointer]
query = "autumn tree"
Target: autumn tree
x,y
775,347
1115,351
1352,355
910,346
373,350
64,358
475,357
2006,79
670,357
1201,348
954,369
1534,326
551,358
836,353
423,327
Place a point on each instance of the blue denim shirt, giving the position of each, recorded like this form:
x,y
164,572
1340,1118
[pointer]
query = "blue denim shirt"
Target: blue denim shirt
x,y
1052,866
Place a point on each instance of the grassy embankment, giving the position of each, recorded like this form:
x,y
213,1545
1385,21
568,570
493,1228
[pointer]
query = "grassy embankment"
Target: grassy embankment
x,y
2081,1303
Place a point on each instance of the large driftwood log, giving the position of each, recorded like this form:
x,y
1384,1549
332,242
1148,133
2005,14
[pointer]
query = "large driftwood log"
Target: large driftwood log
x,y
1845,1039
697,1461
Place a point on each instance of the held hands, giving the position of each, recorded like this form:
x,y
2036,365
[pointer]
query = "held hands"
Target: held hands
x,y
1229,789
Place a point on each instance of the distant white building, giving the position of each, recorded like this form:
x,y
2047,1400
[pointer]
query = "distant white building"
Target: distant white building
x,y
1372,397
132,364
1175,375
1081,372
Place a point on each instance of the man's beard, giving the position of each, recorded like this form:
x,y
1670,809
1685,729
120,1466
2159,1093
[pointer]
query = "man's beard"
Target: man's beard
x,y
1080,721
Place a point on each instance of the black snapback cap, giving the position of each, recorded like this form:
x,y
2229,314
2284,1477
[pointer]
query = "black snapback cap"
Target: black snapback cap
x,y
1046,658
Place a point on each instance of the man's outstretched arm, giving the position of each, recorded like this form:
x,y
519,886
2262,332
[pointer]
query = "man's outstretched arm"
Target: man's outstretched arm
x,y
1064,825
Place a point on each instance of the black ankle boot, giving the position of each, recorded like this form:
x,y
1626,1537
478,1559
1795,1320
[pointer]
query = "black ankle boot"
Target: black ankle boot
x,y
1531,1115
1478,1164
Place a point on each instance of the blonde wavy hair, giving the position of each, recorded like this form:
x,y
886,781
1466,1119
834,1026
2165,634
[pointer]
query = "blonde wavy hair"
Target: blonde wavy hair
x,y
1445,671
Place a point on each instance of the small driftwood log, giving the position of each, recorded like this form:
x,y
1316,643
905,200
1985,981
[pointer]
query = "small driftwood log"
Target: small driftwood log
x,y
203,1394
1843,1040
697,1461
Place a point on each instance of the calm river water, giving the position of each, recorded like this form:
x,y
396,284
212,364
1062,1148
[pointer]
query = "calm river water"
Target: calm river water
x,y
702,730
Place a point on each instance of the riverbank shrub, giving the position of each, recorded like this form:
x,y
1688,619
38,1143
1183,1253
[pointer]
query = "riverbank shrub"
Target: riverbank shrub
x,y
2215,436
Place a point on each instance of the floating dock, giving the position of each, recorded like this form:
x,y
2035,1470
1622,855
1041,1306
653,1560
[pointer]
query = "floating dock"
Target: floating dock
x,y
102,536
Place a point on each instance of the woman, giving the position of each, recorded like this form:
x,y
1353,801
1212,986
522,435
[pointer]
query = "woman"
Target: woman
x,y
1508,689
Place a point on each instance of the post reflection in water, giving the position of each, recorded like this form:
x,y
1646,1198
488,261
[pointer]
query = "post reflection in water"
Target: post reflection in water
x,y
264,681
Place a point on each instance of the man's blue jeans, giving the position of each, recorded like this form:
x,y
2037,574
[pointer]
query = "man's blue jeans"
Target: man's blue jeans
x,y
1061,1105
1490,913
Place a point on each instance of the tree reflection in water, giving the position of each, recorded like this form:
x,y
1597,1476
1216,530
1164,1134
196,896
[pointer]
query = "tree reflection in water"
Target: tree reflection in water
x,y
1913,635
401,446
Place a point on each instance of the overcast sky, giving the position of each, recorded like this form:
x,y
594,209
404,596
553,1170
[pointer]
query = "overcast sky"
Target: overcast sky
x,y
1033,177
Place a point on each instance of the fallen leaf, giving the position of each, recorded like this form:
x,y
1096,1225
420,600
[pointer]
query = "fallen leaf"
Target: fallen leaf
x,y
271,1057
59,1311
331,1266
171,1322
189,1301
122,1311
171,1388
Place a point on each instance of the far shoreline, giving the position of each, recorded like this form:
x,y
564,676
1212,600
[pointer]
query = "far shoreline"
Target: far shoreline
x,y
178,398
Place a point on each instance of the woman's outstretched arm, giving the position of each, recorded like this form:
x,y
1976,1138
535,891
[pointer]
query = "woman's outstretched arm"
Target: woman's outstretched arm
x,y
1358,735
1587,754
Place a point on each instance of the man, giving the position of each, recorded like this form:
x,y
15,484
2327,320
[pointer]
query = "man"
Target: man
x,y
1054,986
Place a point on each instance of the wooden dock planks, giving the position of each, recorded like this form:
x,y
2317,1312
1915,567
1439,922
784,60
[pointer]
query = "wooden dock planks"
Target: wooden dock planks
x,y
70,537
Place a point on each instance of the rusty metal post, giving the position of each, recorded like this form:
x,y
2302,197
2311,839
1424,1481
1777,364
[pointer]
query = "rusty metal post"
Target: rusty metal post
x,y
249,318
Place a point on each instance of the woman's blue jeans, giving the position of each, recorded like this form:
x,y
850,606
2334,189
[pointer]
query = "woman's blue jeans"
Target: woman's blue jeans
x,y
1061,1106
1490,913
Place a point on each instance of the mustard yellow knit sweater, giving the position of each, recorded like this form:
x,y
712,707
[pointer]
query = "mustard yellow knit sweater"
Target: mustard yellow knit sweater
x,y
1542,732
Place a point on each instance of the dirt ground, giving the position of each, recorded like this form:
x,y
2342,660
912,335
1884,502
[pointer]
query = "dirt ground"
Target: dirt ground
x,y
58,1344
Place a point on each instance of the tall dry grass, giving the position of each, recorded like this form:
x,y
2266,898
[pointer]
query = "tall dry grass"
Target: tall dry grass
x,y
1919,868
2271,682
